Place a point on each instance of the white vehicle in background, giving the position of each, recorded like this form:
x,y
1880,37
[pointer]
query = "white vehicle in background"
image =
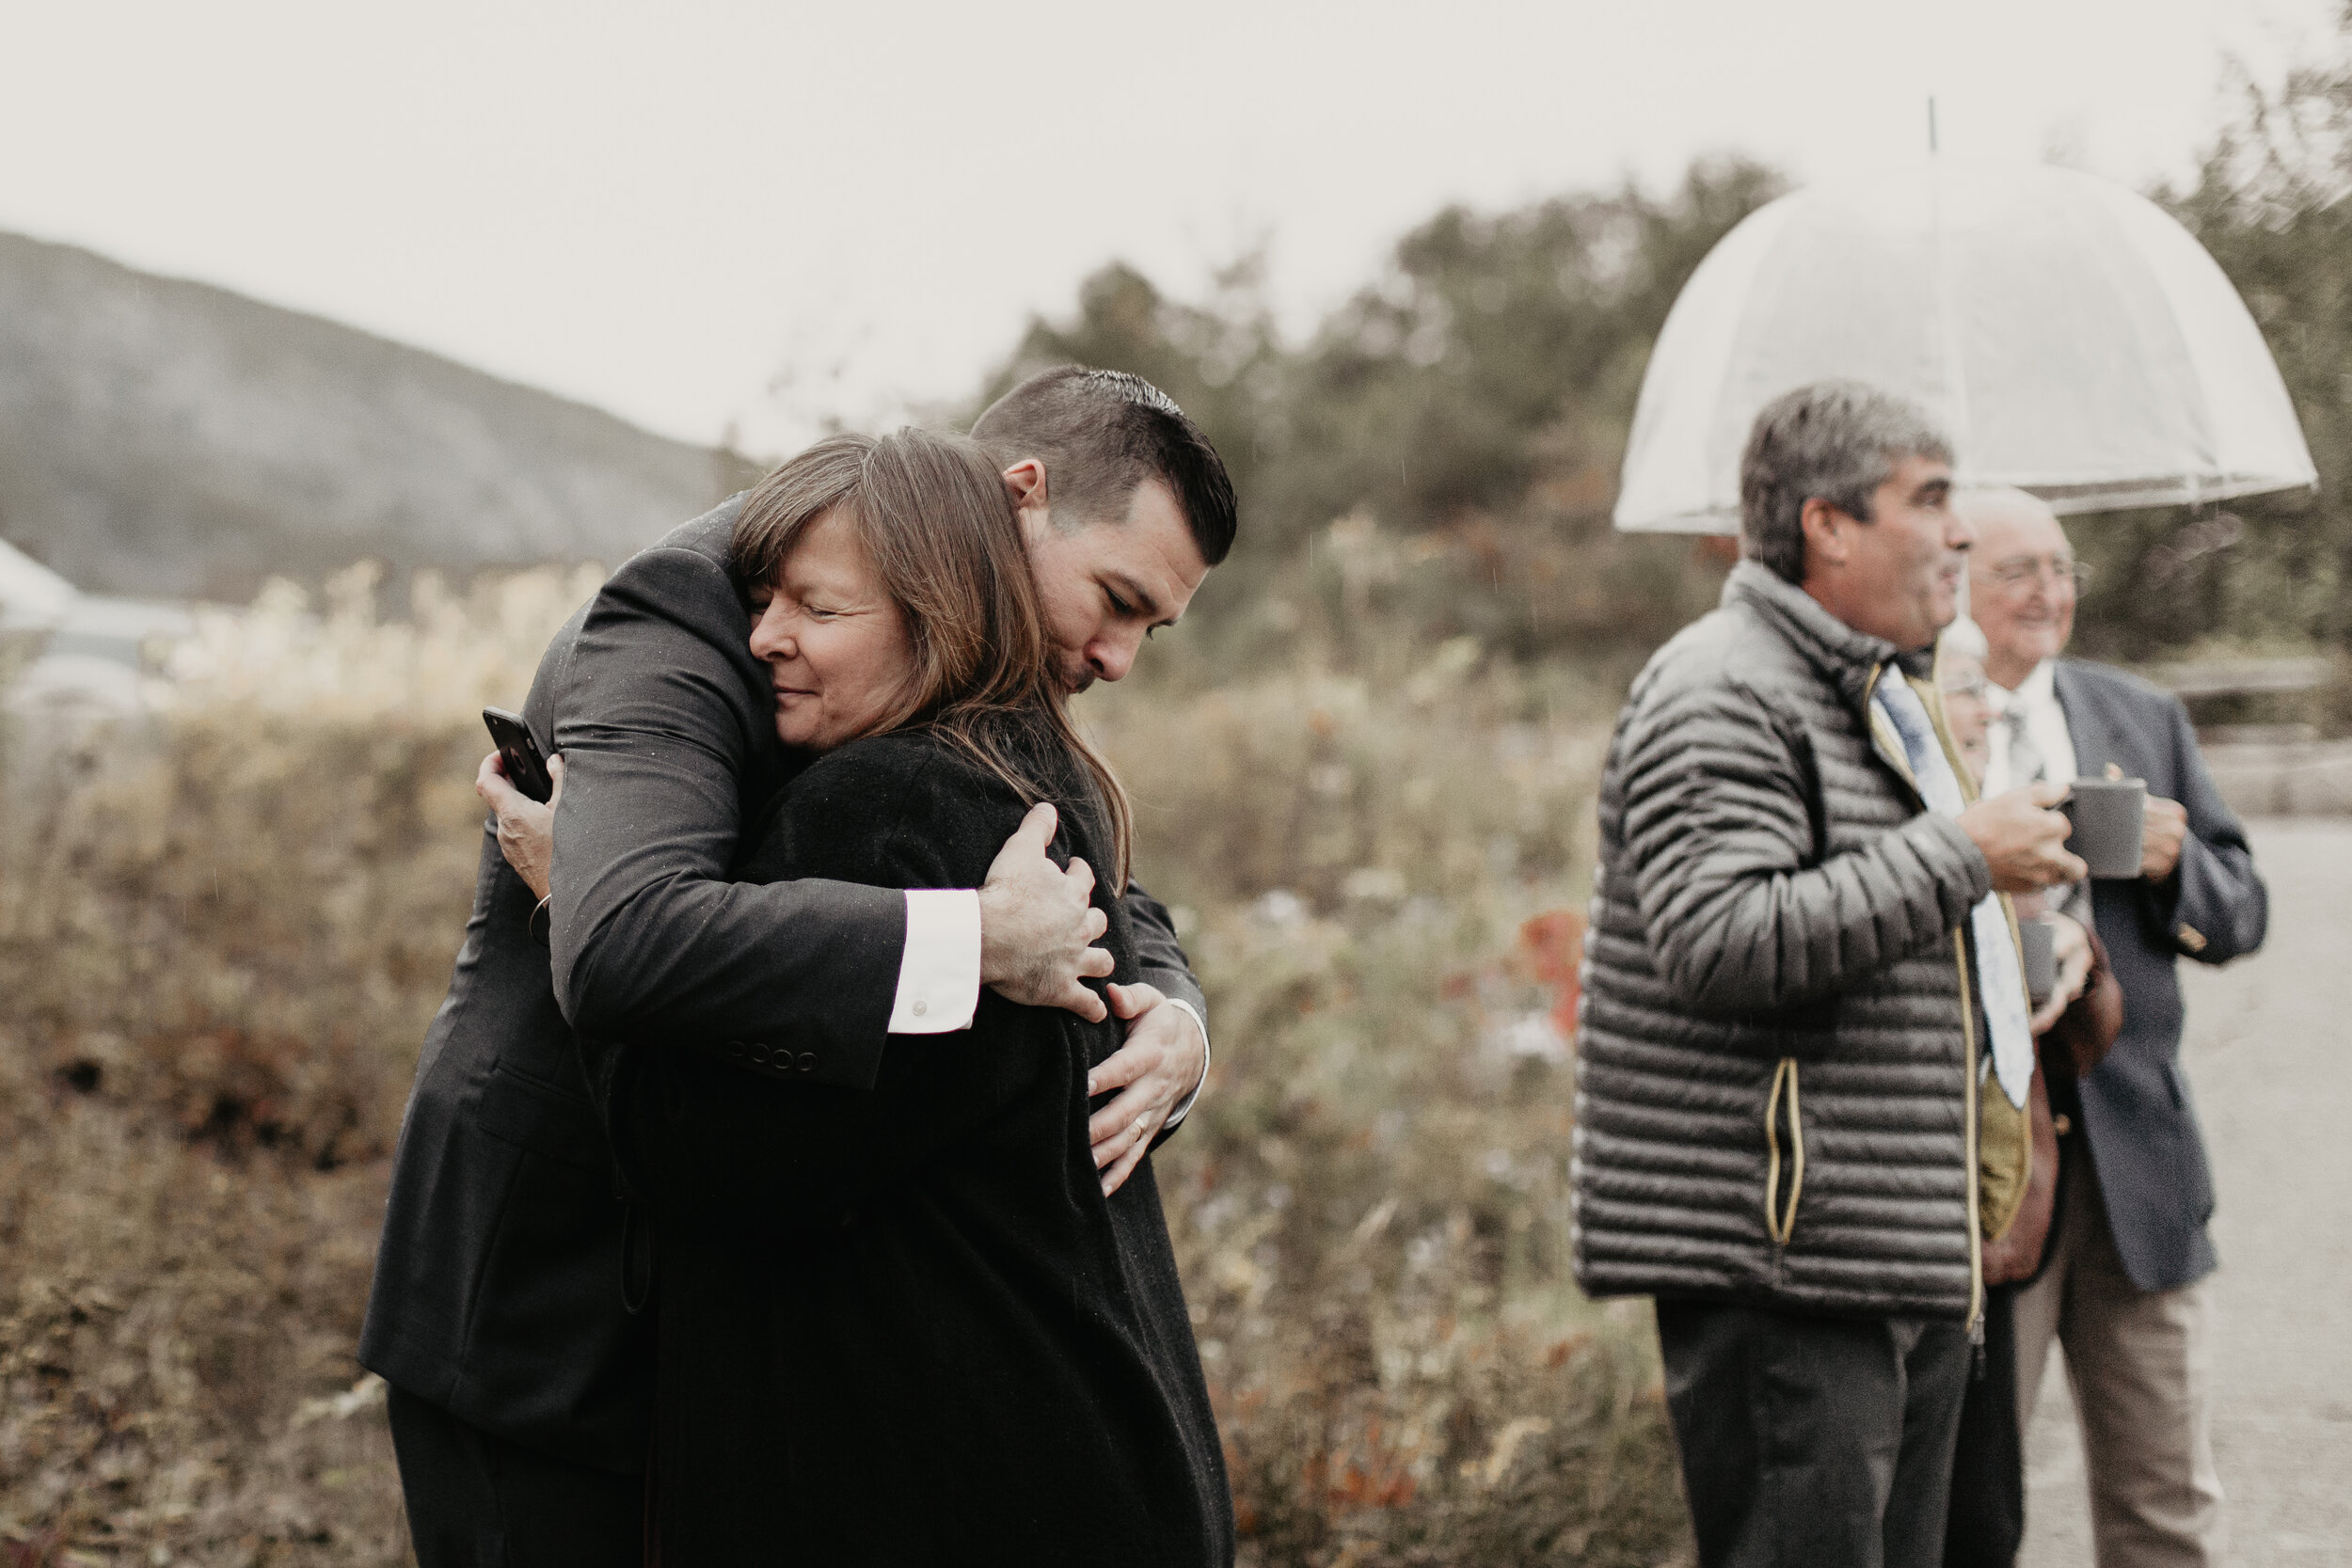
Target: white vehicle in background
x,y
67,654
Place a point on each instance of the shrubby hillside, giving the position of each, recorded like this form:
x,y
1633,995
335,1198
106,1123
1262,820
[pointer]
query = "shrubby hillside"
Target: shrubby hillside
x,y
170,438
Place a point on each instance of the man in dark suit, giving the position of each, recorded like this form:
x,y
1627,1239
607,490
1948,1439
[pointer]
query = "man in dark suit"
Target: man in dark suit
x,y
520,1381
2122,1288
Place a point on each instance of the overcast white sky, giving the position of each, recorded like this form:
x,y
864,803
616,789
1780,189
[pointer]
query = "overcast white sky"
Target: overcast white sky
x,y
659,208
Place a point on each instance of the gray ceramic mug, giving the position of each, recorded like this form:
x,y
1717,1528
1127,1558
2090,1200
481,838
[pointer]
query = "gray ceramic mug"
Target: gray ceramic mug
x,y
2110,817
2037,946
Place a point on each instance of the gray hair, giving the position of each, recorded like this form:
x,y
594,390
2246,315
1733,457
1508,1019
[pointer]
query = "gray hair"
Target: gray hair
x,y
1835,441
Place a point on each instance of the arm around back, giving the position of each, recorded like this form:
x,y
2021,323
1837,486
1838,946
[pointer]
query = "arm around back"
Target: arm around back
x,y
1718,824
662,716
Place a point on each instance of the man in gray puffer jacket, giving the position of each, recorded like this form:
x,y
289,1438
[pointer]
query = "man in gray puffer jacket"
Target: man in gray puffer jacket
x,y
1797,985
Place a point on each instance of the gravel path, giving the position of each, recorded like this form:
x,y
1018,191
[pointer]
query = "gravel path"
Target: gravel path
x,y
2269,1058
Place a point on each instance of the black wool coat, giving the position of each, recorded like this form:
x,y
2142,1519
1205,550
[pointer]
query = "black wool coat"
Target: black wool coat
x,y
904,1325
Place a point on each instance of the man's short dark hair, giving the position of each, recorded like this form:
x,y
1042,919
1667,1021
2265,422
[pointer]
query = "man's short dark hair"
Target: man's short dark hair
x,y
1100,434
1835,441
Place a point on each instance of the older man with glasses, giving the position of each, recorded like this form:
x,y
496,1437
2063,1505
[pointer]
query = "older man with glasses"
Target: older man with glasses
x,y
2120,1285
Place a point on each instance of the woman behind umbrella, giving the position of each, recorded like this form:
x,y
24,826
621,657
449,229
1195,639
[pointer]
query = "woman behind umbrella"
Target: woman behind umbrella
x,y
906,1325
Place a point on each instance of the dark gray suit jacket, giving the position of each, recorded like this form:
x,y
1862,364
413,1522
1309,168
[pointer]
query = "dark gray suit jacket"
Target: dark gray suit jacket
x,y
2136,1108
498,1281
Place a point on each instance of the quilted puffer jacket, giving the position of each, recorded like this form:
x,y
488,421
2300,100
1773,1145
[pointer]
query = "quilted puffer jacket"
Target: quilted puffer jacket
x,y
1774,1094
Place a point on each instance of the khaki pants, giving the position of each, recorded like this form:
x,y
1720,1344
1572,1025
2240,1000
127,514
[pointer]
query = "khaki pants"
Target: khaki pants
x,y
2139,1362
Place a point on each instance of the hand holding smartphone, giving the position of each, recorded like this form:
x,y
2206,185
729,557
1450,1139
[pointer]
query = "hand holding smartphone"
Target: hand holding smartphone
x,y
518,754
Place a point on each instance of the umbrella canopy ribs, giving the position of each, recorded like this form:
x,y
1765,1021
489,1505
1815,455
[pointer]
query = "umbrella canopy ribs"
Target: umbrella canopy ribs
x,y
2076,339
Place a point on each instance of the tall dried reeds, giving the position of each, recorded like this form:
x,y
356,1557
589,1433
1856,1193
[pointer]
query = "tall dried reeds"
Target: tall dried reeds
x,y
224,928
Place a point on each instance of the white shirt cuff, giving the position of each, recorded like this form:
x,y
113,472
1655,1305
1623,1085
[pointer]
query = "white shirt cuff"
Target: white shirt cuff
x,y
1178,1115
939,971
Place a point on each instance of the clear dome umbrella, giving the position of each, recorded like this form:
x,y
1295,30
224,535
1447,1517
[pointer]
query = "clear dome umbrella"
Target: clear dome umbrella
x,y
2074,339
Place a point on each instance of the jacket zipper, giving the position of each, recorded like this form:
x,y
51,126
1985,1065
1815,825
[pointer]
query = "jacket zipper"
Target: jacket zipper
x,y
1967,1019
1968,1133
1781,1229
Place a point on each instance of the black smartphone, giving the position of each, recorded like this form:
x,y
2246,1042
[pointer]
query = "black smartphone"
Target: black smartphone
x,y
526,770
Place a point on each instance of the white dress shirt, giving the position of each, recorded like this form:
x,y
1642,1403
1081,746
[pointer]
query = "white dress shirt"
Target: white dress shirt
x,y
2046,726
939,974
939,970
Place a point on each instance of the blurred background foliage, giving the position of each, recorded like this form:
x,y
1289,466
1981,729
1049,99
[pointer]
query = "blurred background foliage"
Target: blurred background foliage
x,y
1363,773
1443,449
223,932
2273,203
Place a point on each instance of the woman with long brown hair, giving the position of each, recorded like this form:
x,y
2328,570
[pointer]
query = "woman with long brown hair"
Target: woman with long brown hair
x,y
906,1325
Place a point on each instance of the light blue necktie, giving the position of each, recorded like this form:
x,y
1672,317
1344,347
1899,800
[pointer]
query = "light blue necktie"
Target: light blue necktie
x,y
2000,974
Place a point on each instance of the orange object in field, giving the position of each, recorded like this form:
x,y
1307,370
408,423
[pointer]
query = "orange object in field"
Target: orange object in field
x,y
1554,943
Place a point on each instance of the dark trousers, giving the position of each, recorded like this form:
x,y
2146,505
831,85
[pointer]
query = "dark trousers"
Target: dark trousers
x,y
1987,1523
476,1501
1812,1441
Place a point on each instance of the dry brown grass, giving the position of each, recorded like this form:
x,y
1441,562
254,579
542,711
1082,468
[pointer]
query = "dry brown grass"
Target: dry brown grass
x,y
222,934
168,1317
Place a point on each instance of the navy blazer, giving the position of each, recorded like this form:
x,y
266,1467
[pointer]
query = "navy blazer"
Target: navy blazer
x,y
2137,1112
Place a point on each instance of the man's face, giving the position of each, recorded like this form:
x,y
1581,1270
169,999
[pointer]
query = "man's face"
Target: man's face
x,y
1902,571
1107,586
2021,584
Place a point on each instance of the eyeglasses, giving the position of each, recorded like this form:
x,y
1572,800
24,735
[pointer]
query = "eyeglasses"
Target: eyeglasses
x,y
1972,685
2049,569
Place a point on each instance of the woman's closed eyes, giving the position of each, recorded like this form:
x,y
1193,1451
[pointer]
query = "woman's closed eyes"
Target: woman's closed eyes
x,y
837,650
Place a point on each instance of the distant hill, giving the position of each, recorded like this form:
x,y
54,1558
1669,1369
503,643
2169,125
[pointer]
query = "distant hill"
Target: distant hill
x,y
166,437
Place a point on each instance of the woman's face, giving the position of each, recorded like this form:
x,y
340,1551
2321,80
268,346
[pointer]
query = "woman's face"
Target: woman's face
x,y
1966,713
835,644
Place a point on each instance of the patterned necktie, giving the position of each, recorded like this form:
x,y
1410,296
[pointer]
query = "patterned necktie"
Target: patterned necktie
x,y
2026,764
2000,972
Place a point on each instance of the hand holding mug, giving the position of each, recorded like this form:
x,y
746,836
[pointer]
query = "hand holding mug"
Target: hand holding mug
x,y
2022,839
2160,849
